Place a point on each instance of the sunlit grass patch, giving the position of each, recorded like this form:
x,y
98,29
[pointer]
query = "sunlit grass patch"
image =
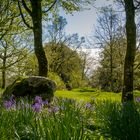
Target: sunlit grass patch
x,y
88,94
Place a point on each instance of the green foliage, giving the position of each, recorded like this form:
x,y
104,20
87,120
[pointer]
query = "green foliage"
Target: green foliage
x,y
65,62
137,71
74,5
118,121
111,38
53,76
101,76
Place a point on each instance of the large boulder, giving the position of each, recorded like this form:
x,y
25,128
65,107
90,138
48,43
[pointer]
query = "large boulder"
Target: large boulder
x,y
31,86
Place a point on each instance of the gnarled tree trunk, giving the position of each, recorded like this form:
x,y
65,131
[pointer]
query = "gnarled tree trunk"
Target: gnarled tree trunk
x,y
37,30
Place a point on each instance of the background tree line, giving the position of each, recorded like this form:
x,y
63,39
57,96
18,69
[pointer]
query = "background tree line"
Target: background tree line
x,y
118,38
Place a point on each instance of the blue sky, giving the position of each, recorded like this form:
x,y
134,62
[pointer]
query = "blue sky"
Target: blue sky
x,y
83,22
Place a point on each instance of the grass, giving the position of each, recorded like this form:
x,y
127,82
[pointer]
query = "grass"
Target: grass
x,y
118,121
101,120
105,119
86,94
69,121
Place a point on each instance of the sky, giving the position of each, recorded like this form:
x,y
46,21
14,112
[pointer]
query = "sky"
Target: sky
x,y
83,22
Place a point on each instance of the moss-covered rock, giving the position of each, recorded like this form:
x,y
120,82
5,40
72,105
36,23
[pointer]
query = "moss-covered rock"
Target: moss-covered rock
x,y
31,86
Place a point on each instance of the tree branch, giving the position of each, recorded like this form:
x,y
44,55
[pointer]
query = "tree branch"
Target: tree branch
x,y
7,29
26,8
137,66
50,7
138,5
23,17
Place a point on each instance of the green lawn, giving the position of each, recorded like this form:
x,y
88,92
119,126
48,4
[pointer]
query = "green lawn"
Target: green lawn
x,y
86,94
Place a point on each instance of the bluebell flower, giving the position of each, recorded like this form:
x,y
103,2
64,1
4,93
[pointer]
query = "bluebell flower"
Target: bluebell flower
x,y
8,104
137,99
38,99
37,107
88,105
46,102
53,109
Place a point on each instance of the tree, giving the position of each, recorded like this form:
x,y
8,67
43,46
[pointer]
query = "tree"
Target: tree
x,y
127,93
100,77
8,22
65,62
34,9
62,48
6,17
12,51
106,34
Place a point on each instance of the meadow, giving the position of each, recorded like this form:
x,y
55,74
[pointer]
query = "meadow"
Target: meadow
x,y
86,94
80,114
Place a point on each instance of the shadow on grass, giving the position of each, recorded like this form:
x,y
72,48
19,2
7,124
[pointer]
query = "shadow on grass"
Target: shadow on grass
x,y
86,90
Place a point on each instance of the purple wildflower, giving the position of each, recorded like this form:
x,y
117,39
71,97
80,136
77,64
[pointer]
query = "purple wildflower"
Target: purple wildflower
x,y
46,102
88,105
8,104
37,107
53,109
38,100
137,99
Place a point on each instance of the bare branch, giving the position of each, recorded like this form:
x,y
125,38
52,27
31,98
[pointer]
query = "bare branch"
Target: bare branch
x,y
136,66
137,4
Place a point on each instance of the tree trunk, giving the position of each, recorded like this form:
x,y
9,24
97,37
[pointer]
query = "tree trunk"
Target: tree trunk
x,y
111,66
111,51
37,30
127,93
